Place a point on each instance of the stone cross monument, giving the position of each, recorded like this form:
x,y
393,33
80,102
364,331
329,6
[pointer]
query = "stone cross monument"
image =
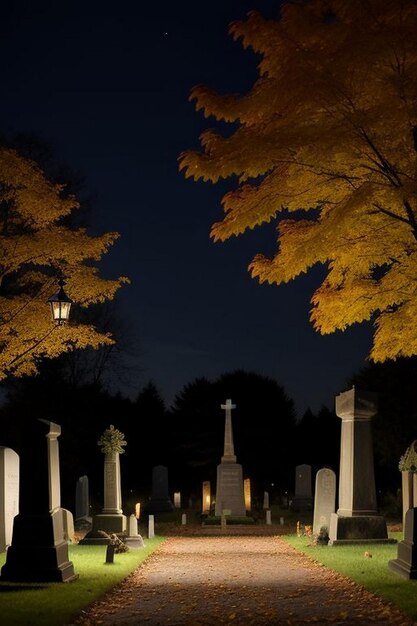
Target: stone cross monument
x,y
229,490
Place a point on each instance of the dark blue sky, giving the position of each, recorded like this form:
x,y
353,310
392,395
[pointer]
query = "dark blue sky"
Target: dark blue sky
x,y
107,85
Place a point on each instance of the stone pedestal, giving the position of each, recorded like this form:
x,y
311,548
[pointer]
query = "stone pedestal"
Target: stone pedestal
x,y
357,518
405,564
111,519
229,492
39,552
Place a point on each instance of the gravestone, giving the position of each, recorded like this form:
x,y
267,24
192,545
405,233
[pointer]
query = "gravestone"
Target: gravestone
x,y
303,499
324,499
159,502
111,519
134,540
247,494
82,502
408,467
405,564
266,500
357,518
206,498
229,489
268,517
177,499
68,525
9,494
39,552
151,527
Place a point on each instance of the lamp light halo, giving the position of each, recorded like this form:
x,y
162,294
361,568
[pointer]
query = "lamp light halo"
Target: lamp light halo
x,y
60,305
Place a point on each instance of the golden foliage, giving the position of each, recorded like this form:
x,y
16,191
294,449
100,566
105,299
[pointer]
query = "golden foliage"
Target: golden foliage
x,y
35,247
326,144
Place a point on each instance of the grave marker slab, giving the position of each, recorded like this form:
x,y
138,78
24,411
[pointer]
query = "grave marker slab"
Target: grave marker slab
x,y
160,501
303,498
9,494
324,499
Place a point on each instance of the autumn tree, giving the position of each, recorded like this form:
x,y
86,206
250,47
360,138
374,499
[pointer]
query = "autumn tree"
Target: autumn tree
x,y
38,244
325,143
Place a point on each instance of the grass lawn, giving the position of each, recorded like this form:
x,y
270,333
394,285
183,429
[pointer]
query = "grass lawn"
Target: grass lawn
x,y
371,573
55,604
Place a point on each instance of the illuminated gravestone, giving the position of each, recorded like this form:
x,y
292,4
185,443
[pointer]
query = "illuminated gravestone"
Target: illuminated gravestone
x,y
247,494
324,499
39,552
408,467
229,489
303,499
134,540
9,494
159,502
357,518
206,498
111,519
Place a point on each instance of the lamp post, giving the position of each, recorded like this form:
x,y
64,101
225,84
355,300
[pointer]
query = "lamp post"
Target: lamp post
x,y
60,305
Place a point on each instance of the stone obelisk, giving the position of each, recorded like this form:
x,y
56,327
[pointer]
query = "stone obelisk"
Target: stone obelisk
x,y
229,490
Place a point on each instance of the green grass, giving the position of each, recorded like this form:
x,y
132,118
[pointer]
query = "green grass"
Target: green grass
x,y
58,603
371,573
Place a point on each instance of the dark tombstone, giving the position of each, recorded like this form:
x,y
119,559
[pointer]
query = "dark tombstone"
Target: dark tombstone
x,y
159,502
110,553
405,564
39,552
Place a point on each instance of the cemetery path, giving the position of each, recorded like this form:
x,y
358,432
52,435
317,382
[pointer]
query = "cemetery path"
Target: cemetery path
x,y
240,581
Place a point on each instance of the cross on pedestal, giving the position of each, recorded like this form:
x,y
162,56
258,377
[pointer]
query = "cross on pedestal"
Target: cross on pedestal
x,y
229,452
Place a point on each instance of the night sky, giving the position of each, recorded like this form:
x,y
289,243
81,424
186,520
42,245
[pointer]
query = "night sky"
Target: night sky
x,y
107,86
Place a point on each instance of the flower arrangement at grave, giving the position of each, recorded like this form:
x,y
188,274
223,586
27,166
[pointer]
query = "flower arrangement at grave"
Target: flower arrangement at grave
x,y
408,461
111,441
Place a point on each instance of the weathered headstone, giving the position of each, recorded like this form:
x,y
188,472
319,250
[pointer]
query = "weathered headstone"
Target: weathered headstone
x,y
229,489
324,499
9,494
151,527
408,467
247,494
268,517
357,519
134,540
206,498
82,500
39,552
266,500
68,525
184,519
159,502
137,510
405,564
111,519
303,498
177,499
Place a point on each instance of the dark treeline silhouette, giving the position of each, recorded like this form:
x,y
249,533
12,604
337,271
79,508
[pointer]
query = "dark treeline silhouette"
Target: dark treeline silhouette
x,y
188,437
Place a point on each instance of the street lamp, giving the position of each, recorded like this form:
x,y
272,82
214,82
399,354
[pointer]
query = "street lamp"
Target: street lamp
x,y
60,305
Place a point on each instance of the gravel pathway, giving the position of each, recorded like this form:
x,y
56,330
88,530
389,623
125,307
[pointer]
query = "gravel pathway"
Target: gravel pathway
x,y
241,581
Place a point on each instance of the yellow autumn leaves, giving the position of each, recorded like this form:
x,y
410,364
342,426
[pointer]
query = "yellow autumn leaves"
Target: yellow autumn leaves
x,y
325,143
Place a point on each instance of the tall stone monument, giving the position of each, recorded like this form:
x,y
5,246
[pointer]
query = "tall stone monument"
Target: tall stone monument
x,y
39,552
229,489
357,518
9,494
111,519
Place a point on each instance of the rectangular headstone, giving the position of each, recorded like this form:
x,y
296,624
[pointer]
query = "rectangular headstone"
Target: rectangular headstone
x,y
303,499
324,499
206,498
177,500
266,500
9,494
247,493
151,527
82,498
